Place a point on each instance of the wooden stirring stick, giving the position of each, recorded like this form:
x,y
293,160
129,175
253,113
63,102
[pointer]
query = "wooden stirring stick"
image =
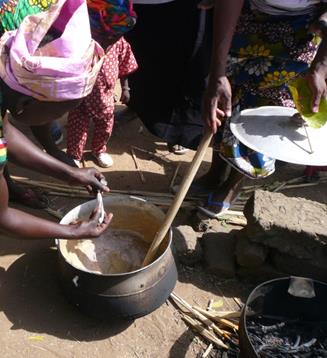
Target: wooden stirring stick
x,y
178,200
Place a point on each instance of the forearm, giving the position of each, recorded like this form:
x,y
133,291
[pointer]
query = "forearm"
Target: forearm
x,y
226,15
26,226
319,63
25,153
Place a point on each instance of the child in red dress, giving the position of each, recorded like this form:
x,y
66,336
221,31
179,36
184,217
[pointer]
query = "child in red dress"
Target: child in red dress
x,y
119,62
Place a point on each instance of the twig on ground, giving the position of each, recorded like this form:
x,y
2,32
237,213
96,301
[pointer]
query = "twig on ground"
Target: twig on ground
x,y
215,318
200,316
162,157
204,332
172,182
207,351
137,166
238,302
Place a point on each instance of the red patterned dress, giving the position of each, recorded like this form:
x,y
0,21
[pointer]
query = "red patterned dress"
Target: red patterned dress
x,y
99,105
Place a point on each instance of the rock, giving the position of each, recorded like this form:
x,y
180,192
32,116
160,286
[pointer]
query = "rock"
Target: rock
x,y
294,226
188,249
250,254
219,253
316,269
259,274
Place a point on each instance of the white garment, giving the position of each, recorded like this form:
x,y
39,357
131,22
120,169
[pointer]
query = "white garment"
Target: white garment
x,y
285,7
151,2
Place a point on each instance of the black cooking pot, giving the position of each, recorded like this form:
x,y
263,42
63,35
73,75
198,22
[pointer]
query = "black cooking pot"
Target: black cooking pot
x,y
125,295
289,297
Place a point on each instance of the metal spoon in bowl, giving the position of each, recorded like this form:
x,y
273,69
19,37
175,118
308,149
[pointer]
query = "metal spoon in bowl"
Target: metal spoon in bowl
x,y
100,202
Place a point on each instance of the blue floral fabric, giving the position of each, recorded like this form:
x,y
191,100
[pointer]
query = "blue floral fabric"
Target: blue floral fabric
x,y
266,52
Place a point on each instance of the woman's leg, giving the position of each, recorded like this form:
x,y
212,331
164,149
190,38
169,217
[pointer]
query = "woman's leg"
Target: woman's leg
x,y
222,198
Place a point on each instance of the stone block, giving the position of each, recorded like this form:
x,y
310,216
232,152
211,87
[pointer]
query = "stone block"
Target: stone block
x,y
294,226
248,253
188,249
259,274
219,253
316,268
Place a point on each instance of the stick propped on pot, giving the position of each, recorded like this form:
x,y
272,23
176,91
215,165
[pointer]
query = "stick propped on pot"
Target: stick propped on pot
x,y
178,200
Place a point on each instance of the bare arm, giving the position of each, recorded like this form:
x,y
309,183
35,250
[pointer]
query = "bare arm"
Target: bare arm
x,y
27,226
217,98
317,74
25,153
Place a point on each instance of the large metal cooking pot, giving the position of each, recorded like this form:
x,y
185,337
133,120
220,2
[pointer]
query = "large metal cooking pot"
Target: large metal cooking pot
x,y
290,297
124,295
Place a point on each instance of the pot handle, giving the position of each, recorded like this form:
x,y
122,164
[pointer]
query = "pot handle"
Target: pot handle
x,y
301,287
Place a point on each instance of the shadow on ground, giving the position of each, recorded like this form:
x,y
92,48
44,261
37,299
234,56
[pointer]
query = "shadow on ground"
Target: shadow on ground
x,y
32,300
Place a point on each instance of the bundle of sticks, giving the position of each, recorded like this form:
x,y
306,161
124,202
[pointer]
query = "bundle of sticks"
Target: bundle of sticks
x,y
219,329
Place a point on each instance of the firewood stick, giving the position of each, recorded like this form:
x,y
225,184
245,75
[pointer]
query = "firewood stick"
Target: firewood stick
x,y
235,221
207,351
172,182
162,157
69,195
204,332
137,166
28,180
58,186
294,186
231,315
200,316
213,317
232,213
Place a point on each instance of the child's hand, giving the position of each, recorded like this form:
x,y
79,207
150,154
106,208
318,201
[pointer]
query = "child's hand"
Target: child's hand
x,y
206,4
125,96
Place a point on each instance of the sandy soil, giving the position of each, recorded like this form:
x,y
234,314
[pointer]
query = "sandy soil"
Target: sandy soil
x,y
37,321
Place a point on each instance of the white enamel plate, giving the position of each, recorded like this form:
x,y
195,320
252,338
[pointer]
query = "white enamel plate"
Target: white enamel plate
x,y
271,131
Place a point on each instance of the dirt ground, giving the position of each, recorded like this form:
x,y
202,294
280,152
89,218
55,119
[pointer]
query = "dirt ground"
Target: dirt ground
x,y
37,321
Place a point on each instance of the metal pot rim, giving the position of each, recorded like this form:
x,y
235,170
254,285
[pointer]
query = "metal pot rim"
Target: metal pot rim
x,y
244,314
124,273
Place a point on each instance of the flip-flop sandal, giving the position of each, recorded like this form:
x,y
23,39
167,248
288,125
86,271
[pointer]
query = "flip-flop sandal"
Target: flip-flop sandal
x,y
177,149
32,199
224,205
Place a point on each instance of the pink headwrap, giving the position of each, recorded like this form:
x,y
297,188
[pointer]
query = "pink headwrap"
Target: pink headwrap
x,y
63,69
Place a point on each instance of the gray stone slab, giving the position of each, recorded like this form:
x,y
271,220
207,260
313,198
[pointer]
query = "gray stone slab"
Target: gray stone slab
x,y
219,253
188,249
295,226
248,253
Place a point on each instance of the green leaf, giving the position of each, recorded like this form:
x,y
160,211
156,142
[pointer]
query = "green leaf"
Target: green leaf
x,y
302,97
